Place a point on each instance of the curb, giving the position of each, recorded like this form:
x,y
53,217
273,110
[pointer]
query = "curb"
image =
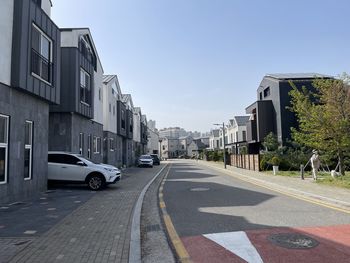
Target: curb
x,y
135,239
178,246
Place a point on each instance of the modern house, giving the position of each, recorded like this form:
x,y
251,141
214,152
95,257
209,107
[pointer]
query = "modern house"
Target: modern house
x,y
195,147
112,150
76,125
137,132
184,142
127,123
270,112
170,148
153,141
214,139
144,134
237,133
29,83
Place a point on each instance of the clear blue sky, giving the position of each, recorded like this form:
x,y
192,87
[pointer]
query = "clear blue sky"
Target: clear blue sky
x,y
192,63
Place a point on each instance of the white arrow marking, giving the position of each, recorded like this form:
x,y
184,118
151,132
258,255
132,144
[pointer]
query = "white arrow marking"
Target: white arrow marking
x,y
238,243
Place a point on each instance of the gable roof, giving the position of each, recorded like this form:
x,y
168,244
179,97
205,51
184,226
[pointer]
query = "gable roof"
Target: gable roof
x,y
241,120
126,98
287,76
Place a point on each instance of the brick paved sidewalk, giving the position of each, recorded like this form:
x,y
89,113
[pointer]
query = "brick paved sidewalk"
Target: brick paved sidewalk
x,y
96,231
334,196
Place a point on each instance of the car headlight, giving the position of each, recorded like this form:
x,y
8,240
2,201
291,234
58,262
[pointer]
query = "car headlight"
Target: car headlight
x,y
108,169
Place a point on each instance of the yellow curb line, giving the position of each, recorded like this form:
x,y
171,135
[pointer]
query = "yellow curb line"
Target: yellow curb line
x,y
308,199
180,249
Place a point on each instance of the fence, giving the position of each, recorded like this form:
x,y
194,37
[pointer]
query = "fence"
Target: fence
x,y
246,161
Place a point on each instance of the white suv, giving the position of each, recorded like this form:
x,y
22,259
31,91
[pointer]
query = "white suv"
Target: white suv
x,y
71,167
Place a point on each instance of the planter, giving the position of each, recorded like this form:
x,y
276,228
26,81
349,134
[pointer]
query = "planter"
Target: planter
x,y
275,169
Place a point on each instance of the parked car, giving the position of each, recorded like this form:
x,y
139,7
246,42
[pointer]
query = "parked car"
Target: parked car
x,y
145,160
73,168
155,158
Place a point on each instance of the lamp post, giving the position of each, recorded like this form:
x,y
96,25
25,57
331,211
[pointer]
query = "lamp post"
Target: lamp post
x,y
223,140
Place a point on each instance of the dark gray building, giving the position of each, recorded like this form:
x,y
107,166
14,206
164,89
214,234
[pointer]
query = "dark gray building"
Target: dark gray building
x,y
270,113
74,124
29,82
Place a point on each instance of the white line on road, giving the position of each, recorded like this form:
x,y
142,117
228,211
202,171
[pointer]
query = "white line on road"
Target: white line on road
x,y
238,243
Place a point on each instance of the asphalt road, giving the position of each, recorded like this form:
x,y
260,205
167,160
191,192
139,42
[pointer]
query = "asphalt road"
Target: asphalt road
x,y
215,214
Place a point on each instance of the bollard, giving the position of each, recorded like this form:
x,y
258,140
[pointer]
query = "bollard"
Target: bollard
x,y
302,172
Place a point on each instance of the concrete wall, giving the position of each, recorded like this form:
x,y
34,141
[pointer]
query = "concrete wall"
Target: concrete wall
x,y
6,24
111,157
64,134
21,107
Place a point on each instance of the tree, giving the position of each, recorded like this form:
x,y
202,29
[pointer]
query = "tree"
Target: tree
x,y
270,142
324,116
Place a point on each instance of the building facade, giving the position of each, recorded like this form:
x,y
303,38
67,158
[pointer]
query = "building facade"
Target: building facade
x,y
75,125
237,133
29,82
270,112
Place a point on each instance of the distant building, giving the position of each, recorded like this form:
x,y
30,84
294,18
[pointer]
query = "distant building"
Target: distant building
x,y
172,132
236,133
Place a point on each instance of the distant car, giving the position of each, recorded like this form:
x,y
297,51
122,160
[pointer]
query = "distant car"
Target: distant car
x,y
155,158
73,168
145,160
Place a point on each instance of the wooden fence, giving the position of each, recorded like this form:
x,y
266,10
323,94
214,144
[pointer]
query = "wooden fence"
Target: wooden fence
x,y
246,161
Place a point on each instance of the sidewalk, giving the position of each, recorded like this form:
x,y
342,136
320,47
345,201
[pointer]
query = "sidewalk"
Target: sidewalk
x,y
325,195
98,230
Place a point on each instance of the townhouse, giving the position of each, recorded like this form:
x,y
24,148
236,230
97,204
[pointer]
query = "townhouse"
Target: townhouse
x,y
29,83
76,124
112,150
215,139
137,132
237,133
270,112
144,134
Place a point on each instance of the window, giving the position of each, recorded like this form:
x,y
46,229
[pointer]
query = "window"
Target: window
x,y
85,87
111,144
237,136
87,51
81,143
63,158
260,96
4,131
267,92
113,110
123,119
244,135
131,123
99,94
110,107
41,56
89,146
97,145
28,147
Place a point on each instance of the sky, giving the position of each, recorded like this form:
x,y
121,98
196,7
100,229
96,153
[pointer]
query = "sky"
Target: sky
x,y
192,63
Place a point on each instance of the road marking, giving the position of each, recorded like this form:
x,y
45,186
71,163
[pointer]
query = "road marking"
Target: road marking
x,y
180,249
238,243
30,232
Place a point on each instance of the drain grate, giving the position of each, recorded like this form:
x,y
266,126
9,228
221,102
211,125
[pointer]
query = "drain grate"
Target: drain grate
x,y
153,228
293,241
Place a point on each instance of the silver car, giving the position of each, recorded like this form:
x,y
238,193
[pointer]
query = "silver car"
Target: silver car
x,y
145,160
69,167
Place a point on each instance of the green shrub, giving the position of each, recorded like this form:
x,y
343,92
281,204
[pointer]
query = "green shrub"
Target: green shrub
x,y
275,161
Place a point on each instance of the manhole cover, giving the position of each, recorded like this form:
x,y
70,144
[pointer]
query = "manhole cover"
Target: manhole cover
x,y
293,241
199,189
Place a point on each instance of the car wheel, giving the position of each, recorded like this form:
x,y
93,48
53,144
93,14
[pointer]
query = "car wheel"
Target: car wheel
x,y
95,182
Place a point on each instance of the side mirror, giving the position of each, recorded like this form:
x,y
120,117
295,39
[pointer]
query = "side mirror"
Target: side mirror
x,y
81,163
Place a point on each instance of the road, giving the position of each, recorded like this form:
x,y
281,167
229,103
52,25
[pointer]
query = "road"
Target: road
x,y
220,218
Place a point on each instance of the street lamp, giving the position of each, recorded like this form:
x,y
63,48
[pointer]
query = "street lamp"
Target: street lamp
x,y
223,140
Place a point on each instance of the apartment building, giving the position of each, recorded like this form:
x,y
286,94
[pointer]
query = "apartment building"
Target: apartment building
x,y
29,83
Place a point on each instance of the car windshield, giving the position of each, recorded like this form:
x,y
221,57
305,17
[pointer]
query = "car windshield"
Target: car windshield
x,y
145,157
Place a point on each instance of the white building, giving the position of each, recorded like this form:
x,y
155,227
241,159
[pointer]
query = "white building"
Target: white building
x,y
237,132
